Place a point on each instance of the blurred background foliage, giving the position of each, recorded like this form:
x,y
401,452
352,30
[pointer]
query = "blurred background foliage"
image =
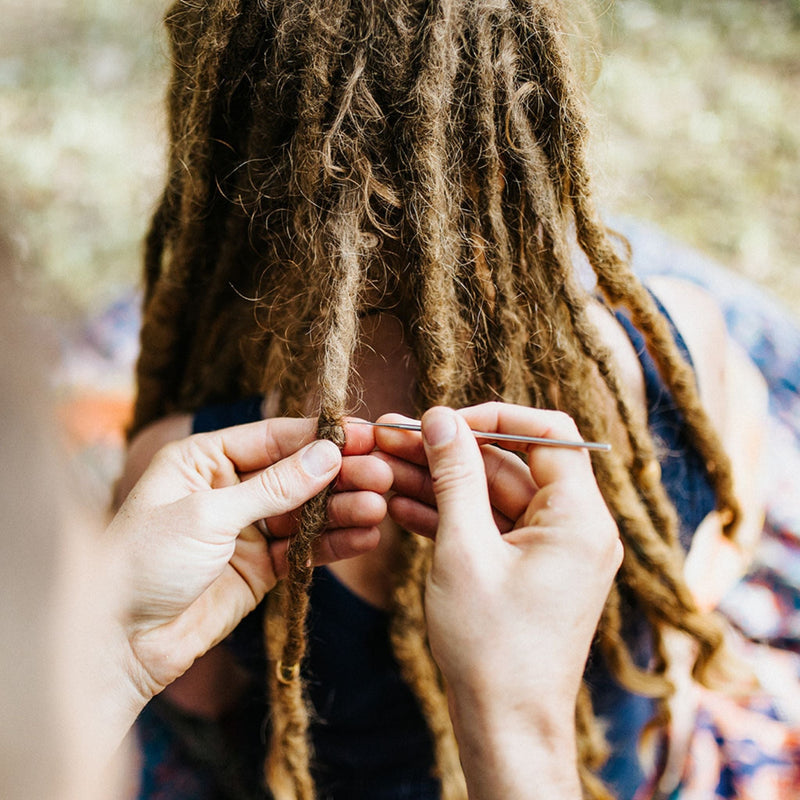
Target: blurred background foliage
x,y
81,137
697,115
695,108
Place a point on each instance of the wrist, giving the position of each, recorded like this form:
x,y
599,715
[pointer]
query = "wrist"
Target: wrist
x,y
512,749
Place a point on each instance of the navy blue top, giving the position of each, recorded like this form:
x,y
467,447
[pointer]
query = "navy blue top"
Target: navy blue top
x,y
685,478
370,739
683,472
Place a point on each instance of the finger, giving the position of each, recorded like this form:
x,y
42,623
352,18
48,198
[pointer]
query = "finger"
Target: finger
x,y
328,548
257,445
410,479
364,472
547,464
510,485
509,480
359,439
413,515
358,473
421,518
459,481
281,525
282,487
402,444
356,510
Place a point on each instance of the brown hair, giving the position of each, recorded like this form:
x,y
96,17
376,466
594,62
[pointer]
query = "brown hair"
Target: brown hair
x,y
333,157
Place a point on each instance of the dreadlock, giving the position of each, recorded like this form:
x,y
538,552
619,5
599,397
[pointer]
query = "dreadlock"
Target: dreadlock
x,y
333,157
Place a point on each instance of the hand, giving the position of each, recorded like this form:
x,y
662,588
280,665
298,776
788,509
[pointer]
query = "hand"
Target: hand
x,y
353,502
413,503
510,617
185,546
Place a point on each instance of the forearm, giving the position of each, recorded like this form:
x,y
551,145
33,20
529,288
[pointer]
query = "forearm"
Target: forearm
x,y
515,754
96,680
116,701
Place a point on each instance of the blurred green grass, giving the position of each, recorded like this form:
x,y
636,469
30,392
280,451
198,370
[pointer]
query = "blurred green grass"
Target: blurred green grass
x,y
698,128
695,111
81,137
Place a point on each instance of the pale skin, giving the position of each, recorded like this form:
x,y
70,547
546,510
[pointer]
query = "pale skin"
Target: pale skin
x,y
185,561
386,368
493,600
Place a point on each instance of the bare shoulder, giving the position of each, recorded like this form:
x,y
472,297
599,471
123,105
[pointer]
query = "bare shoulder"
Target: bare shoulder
x,y
628,368
735,395
701,324
700,321
145,445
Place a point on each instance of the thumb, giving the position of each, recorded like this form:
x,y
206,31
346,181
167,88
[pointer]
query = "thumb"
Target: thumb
x,y
283,487
459,479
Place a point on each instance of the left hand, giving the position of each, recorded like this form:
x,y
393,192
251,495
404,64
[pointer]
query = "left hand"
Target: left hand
x,y
185,547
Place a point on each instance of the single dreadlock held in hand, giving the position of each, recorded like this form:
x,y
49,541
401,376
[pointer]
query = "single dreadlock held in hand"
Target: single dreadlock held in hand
x,y
332,160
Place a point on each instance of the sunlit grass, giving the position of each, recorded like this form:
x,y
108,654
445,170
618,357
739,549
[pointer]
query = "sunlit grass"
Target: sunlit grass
x,y
699,131
81,136
696,114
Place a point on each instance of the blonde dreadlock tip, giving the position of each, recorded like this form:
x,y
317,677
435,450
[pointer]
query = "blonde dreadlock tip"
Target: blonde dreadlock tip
x,y
727,517
650,473
287,674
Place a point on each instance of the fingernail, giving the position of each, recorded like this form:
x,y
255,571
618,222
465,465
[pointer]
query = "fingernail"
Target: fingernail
x,y
320,458
439,427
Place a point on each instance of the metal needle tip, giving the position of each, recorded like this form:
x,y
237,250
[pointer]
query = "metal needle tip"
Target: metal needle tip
x,y
497,437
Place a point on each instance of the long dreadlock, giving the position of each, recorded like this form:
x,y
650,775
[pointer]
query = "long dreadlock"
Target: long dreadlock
x,y
332,157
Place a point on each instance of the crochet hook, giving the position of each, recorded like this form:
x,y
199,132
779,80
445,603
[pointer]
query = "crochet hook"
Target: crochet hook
x,y
497,437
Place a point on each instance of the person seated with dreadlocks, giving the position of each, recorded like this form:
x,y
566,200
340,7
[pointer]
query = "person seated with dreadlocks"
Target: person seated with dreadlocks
x,y
97,619
379,208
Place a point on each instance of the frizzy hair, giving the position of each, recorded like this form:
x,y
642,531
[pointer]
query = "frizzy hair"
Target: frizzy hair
x,y
333,158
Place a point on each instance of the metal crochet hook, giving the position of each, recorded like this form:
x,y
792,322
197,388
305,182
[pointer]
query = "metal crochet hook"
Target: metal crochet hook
x,y
498,437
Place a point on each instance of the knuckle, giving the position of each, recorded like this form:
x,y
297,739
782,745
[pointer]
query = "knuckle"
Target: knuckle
x,y
330,548
271,445
278,483
605,542
562,422
618,553
199,511
337,512
450,477
171,451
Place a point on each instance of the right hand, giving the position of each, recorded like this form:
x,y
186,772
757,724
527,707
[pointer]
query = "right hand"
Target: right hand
x,y
510,617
